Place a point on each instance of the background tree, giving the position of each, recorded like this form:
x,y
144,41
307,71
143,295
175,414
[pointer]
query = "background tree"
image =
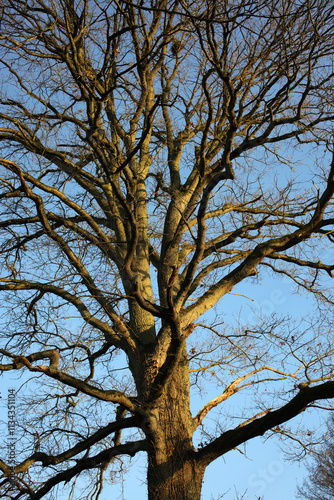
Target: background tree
x,y
320,483
151,164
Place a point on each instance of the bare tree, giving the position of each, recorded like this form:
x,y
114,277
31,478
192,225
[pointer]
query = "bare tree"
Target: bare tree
x,y
149,167
320,482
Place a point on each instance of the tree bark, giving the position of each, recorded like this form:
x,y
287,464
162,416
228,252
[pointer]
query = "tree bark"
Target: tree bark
x,y
173,471
174,478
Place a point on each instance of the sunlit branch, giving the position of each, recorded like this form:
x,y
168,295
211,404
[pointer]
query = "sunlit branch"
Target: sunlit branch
x,y
52,371
77,303
303,263
233,388
232,438
262,250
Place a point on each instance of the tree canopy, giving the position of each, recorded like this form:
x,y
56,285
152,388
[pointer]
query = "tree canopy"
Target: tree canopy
x,y
158,156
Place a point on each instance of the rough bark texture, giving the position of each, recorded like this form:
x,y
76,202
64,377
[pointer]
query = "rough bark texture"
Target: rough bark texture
x,y
173,471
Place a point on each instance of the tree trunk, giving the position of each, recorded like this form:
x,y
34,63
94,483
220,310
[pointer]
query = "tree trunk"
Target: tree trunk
x,y
174,479
173,472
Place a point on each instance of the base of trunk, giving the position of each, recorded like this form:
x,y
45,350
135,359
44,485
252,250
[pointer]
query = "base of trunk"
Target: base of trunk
x,y
175,480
